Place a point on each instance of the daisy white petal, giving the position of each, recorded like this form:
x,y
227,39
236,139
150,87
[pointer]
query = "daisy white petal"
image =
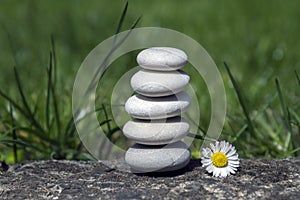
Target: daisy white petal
x,y
223,146
210,169
224,172
231,152
231,163
205,152
235,162
206,162
234,159
231,170
217,147
225,149
228,148
212,147
216,172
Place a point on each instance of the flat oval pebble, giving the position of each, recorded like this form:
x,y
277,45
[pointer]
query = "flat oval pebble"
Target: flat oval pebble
x,y
155,84
162,58
145,158
156,132
141,107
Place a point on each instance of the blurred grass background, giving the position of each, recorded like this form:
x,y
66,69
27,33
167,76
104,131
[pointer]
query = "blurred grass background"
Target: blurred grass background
x,y
258,40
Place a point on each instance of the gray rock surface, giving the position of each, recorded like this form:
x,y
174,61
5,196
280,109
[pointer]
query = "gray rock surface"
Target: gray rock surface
x,y
256,179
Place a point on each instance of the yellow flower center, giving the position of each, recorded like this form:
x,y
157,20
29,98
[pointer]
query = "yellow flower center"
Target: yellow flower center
x,y
219,159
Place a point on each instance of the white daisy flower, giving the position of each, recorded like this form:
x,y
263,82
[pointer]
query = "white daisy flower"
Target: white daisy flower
x,y
220,159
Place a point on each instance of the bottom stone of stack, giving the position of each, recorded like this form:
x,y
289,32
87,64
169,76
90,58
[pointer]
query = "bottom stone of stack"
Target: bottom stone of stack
x,y
162,158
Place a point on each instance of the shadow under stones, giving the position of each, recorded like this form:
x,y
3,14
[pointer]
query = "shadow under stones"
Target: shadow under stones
x,y
190,167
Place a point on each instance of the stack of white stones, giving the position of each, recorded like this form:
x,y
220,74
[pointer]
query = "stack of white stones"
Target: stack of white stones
x,y
157,127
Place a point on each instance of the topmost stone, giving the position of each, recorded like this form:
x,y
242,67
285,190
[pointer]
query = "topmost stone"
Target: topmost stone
x,y
162,59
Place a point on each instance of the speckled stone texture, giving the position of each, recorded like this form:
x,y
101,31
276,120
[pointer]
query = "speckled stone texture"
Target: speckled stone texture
x,y
256,179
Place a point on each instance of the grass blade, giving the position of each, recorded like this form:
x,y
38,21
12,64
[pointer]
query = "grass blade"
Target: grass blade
x,y
295,115
13,142
70,128
23,98
37,134
241,100
283,106
13,103
49,73
298,78
54,59
14,133
52,77
295,151
25,114
135,23
105,122
51,87
286,116
36,105
70,125
25,103
121,21
106,119
196,124
239,133
21,143
195,136
10,41
56,111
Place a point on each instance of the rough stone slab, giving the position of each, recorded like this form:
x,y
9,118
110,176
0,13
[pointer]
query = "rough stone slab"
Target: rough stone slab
x,y
256,179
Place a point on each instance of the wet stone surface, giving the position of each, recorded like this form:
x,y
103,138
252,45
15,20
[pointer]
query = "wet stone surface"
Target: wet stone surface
x,y
256,179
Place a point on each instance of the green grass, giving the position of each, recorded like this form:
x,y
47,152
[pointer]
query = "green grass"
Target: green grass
x,y
44,43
